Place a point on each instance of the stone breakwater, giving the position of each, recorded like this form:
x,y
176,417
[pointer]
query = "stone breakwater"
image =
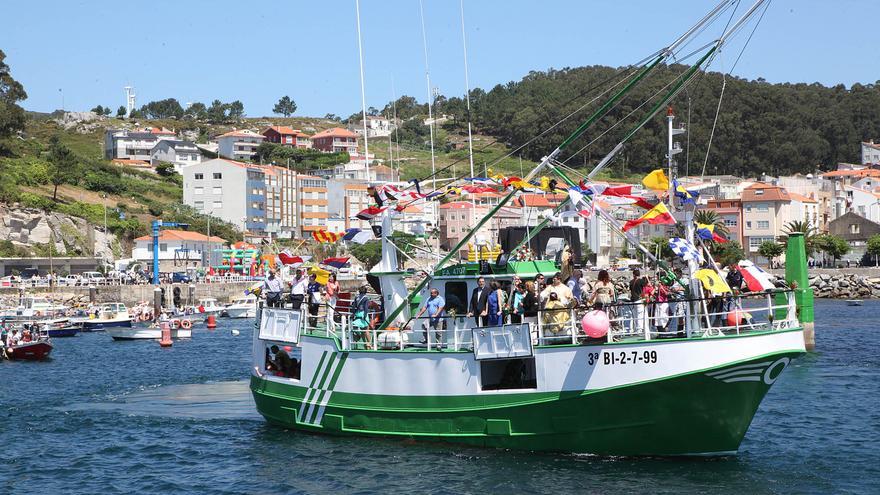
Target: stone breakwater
x,y
845,286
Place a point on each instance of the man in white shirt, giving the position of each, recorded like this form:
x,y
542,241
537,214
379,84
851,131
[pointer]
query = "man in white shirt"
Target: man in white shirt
x,y
298,290
273,289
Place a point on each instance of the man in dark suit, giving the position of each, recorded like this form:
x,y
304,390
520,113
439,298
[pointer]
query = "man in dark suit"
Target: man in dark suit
x,y
479,302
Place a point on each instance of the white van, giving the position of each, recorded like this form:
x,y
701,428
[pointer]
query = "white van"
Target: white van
x,y
89,278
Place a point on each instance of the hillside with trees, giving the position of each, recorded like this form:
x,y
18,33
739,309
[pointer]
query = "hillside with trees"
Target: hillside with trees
x,y
762,127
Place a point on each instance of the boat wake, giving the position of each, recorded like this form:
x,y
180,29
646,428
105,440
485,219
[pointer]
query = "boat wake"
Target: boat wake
x,y
216,400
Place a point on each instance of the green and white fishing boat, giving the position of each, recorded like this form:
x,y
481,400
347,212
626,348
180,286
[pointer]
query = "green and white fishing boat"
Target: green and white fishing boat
x,y
639,390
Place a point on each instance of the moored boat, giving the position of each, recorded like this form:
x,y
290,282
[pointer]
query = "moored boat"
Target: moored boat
x,y
242,307
110,315
142,332
30,351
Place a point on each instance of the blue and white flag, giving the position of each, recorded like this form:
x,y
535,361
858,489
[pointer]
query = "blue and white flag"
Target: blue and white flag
x,y
685,250
357,235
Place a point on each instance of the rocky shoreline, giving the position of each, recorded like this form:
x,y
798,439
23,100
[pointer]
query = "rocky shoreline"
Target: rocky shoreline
x,y
845,286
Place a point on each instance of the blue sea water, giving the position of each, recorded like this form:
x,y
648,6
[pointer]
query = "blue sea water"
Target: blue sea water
x,y
131,417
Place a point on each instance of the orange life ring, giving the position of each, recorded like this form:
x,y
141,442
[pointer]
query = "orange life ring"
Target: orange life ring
x,y
186,324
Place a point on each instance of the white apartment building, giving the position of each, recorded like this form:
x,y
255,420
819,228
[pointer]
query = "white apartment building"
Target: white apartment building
x,y
870,153
239,145
179,153
229,190
376,127
133,144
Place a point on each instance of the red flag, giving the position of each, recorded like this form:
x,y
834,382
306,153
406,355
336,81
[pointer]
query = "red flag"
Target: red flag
x,y
370,213
288,259
323,236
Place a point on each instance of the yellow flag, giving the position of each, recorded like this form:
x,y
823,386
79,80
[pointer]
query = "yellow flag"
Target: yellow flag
x,y
712,281
321,275
656,181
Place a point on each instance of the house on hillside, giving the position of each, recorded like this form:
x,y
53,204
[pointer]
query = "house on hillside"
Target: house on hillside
x,y
335,140
286,136
766,210
180,153
178,249
377,126
239,145
230,190
856,230
870,153
133,144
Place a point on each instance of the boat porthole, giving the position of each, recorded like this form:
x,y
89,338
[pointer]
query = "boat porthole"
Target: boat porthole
x,y
768,379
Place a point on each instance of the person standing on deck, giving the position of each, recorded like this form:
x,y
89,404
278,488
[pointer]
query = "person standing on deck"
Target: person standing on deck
x,y
566,264
494,304
273,289
331,290
636,287
434,306
314,290
298,289
477,307
577,284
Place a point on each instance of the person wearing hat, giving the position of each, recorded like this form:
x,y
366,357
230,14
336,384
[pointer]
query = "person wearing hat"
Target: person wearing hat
x,y
273,289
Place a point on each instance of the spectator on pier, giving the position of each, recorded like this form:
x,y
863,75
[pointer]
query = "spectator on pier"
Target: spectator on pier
x,y
298,288
272,289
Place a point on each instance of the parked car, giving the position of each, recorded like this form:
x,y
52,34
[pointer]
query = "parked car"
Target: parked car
x,y
95,278
180,278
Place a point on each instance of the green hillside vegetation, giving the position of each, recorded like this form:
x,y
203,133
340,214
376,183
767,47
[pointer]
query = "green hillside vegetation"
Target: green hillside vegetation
x,y
762,128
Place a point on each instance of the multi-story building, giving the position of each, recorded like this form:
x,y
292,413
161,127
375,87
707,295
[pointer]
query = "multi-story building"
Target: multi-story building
x,y
133,144
730,211
766,210
312,203
856,230
726,186
239,145
179,153
230,190
288,137
804,208
870,153
346,198
335,140
457,220
838,181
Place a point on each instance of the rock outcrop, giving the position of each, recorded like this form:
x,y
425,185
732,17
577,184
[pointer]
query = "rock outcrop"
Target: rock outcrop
x,y
71,236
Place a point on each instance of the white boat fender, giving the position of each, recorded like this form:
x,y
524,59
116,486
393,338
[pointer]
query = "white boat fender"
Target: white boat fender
x,y
235,332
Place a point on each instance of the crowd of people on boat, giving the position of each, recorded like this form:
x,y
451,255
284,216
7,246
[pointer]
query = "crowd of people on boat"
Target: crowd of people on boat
x,y
12,336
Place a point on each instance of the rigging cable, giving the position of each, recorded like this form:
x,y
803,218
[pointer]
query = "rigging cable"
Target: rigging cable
x,y
724,85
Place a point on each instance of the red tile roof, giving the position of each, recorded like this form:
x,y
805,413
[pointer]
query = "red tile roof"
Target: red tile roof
x,y
867,172
242,134
335,132
801,198
456,205
760,191
285,131
182,235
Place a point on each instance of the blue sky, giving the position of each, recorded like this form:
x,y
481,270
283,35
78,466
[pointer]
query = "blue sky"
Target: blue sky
x,y
259,51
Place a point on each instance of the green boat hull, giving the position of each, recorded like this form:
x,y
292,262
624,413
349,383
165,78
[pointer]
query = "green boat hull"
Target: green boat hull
x,y
689,414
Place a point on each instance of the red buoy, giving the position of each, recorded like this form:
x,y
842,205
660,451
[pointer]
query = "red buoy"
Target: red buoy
x,y
165,341
212,321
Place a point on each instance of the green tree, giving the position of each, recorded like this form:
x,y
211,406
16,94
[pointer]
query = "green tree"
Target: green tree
x,y
832,245
333,117
163,109
197,111
370,252
770,250
120,112
165,169
63,166
728,253
873,247
803,227
12,116
98,110
285,106
236,110
216,113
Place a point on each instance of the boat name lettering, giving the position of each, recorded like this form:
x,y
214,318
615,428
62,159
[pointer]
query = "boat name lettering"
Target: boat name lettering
x,y
623,357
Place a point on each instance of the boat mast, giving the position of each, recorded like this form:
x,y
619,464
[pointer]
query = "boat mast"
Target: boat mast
x,y
357,4
467,99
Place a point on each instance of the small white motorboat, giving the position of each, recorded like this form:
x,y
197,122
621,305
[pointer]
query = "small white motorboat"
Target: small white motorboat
x,y
110,315
181,328
243,307
854,302
205,307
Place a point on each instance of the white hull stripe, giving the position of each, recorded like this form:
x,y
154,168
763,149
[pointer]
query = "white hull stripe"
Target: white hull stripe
x,y
311,410
738,368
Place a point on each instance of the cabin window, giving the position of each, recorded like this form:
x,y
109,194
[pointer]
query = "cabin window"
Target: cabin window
x,y
508,374
455,294
283,360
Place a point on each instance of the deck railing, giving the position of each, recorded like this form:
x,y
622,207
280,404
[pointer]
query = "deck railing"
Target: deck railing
x,y
629,321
